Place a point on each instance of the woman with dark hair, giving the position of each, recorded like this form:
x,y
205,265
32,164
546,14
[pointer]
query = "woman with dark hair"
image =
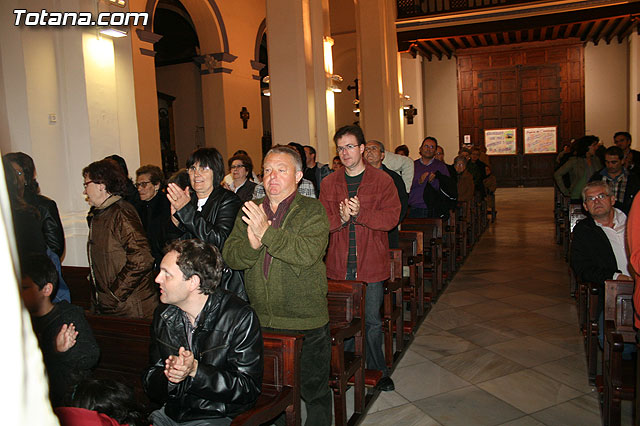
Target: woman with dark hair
x,y
101,402
154,209
120,259
241,168
208,211
29,238
49,216
579,168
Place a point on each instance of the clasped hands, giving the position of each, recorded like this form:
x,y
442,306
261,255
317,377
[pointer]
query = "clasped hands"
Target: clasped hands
x,y
257,223
178,198
177,368
349,207
430,176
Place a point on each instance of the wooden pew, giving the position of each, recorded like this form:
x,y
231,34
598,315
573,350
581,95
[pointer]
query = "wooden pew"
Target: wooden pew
x,y
449,248
462,233
280,382
619,376
432,230
346,301
412,258
124,349
466,215
392,309
77,279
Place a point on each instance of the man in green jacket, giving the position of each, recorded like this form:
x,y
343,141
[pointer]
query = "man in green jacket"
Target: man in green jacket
x,y
279,242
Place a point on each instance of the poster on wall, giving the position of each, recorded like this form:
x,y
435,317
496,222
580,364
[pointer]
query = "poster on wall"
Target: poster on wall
x,y
500,141
540,140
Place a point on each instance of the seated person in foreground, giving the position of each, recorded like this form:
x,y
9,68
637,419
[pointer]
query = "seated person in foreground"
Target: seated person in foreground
x,y
100,402
65,337
598,246
206,343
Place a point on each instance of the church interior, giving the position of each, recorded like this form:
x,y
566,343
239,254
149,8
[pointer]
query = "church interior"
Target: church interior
x,y
503,345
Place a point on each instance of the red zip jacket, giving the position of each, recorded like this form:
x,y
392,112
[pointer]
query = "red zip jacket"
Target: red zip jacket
x,y
379,213
633,249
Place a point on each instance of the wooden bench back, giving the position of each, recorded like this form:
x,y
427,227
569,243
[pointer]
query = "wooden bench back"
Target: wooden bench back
x,y
396,264
618,304
411,243
77,279
576,214
431,228
346,301
281,362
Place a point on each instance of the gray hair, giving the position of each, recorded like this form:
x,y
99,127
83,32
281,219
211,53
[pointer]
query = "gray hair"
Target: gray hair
x,y
596,184
284,149
380,144
460,159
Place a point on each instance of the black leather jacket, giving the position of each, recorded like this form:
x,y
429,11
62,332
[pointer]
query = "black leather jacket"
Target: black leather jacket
x,y
51,225
227,342
213,225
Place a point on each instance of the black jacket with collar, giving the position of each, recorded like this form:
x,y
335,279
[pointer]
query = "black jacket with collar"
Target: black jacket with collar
x,y
227,343
592,257
213,224
51,225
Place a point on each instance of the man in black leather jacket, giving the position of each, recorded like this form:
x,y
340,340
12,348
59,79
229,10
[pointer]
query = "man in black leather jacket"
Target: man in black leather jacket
x,y
206,343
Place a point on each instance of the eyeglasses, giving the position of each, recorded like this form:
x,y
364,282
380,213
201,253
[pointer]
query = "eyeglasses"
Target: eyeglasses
x,y
371,149
429,147
346,147
142,184
85,184
237,166
199,169
597,197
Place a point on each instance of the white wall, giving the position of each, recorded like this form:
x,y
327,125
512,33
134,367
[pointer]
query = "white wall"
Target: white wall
x,y
606,89
412,85
633,43
440,107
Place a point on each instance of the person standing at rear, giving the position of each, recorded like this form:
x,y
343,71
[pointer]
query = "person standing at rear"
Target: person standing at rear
x,y
363,206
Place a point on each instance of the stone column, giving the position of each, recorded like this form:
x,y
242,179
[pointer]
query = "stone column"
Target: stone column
x,y
295,34
380,106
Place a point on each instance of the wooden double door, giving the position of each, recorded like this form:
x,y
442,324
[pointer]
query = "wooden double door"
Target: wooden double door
x,y
525,88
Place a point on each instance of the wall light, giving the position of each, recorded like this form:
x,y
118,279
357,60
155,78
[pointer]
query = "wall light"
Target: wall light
x,y
113,32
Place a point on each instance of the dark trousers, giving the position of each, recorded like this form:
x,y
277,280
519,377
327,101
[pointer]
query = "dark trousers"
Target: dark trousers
x,y
315,363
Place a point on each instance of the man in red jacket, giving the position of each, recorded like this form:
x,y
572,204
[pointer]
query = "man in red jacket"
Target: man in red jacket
x,y
362,205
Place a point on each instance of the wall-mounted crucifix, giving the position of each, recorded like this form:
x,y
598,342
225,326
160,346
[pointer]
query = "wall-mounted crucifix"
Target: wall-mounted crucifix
x,y
244,116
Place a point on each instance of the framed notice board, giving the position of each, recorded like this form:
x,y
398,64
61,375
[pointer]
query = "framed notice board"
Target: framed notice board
x,y
540,140
500,141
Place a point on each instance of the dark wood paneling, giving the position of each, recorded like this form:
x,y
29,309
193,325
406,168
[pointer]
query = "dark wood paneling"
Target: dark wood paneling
x,y
522,86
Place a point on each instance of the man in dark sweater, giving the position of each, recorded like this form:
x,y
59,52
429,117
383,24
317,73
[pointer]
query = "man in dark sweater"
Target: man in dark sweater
x,y
65,337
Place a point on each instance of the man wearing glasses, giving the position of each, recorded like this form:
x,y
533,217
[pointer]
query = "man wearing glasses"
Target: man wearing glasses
x,y
425,169
362,205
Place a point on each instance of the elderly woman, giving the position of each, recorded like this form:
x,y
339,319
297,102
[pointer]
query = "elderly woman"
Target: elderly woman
x,y
154,209
120,259
466,186
241,168
207,211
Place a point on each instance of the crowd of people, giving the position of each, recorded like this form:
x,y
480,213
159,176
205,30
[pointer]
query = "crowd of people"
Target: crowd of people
x,y
213,260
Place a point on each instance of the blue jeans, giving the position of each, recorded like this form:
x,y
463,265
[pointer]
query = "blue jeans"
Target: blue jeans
x,y
373,329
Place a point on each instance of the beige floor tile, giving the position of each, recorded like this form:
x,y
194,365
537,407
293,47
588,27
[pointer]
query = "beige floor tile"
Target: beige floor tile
x,y
523,421
387,400
496,291
566,312
423,380
468,406
529,323
567,337
583,411
404,415
478,365
529,351
485,334
450,318
530,301
529,390
572,371
437,345
492,309
456,299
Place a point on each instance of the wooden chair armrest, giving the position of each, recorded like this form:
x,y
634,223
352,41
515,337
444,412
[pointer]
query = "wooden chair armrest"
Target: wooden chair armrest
x,y
339,334
262,414
391,286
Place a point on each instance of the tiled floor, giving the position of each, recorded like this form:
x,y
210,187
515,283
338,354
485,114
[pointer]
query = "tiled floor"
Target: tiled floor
x,y
501,346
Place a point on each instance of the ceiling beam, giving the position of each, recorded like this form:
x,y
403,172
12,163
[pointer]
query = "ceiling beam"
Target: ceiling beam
x,y
626,31
505,35
441,46
555,31
595,29
518,36
434,48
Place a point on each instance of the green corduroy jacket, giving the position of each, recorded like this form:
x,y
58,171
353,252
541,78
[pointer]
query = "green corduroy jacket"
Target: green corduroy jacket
x,y
294,295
